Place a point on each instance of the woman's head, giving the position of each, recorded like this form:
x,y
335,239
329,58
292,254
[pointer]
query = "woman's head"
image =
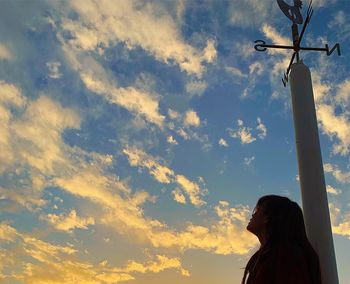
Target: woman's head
x,y
278,219
278,222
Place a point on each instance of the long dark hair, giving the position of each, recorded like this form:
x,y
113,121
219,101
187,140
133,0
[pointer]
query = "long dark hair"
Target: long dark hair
x,y
285,226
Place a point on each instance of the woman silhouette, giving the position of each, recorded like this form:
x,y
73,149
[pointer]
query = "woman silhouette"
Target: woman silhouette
x,y
285,255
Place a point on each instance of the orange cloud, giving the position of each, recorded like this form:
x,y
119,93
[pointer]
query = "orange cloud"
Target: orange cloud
x,y
39,261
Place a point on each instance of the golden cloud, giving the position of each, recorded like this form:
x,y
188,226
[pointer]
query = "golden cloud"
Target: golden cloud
x,y
38,261
163,174
68,222
106,21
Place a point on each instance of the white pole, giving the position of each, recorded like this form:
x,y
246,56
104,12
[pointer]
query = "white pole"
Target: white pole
x,y
311,175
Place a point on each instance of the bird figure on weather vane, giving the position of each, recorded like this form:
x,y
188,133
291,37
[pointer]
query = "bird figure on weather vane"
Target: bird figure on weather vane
x,y
293,13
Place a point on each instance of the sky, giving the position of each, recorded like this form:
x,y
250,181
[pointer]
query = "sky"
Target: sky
x,y
137,136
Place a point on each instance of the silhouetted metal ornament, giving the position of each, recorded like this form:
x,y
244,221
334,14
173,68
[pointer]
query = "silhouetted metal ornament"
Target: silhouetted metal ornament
x,y
293,13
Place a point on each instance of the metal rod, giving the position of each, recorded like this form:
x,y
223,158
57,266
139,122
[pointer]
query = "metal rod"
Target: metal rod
x,y
314,48
290,63
277,46
303,29
307,20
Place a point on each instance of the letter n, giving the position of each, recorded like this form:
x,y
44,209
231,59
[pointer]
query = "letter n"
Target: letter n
x,y
329,52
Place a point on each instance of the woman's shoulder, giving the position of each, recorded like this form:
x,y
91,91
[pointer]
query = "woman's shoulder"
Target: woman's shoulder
x,y
284,250
291,264
291,254
283,264
287,247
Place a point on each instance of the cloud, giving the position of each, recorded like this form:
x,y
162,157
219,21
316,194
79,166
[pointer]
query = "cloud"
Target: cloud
x,y
39,261
137,157
272,34
186,125
210,53
250,13
340,220
340,176
235,71
191,119
196,88
340,25
223,142
262,129
69,222
31,138
248,160
125,215
7,233
76,175
162,263
99,80
192,190
42,125
321,89
173,114
256,69
113,197
178,196
343,228
163,174
322,3
52,163
338,20
172,140
332,124
5,53
280,58
139,102
225,236
107,23
332,190
328,168
180,9
54,71
183,134
244,48
10,96
242,133
343,93
136,101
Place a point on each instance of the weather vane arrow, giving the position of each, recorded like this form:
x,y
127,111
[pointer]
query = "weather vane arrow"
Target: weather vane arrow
x,y
293,13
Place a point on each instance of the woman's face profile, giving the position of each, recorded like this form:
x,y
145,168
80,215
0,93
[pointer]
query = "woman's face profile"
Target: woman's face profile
x,y
257,224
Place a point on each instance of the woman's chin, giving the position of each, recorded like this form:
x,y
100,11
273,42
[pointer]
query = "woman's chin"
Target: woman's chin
x,y
248,227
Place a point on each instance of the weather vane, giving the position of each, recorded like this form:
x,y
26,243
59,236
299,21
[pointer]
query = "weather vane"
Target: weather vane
x,y
293,13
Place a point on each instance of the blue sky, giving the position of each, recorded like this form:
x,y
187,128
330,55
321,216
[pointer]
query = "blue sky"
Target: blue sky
x,y
137,136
